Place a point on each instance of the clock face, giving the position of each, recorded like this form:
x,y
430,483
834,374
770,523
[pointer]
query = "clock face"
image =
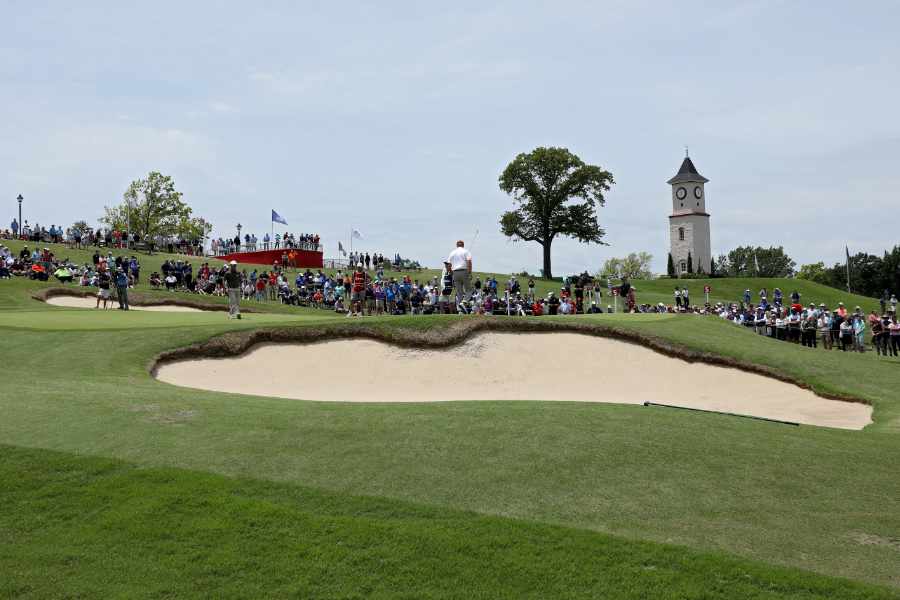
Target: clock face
x,y
680,193
698,192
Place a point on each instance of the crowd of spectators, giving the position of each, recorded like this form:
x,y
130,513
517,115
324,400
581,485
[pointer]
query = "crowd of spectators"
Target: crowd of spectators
x,y
817,325
356,292
106,273
34,233
250,243
105,237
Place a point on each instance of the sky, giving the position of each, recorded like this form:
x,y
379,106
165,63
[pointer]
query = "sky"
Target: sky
x,y
397,118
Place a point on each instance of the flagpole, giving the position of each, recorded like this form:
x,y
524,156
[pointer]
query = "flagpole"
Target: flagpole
x,y
847,251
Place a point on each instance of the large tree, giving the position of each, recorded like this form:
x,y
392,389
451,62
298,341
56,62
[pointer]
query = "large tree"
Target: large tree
x,y
555,194
152,208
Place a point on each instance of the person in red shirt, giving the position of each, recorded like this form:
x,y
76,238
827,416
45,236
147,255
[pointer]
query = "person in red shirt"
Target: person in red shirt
x,y
273,285
537,309
358,295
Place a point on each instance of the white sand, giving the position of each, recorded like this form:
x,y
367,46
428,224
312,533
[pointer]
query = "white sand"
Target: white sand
x,y
505,366
91,302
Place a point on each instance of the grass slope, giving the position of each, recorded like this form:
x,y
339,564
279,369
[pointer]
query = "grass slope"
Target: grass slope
x,y
650,292
818,499
69,523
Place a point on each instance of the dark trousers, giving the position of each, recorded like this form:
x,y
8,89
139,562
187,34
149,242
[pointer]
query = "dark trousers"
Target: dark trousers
x,y
122,293
809,338
895,345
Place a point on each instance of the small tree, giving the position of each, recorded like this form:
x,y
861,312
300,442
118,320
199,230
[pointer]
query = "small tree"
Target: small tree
x,y
690,264
152,209
670,267
543,183
712,267
80,226
633,266
814,272
194,229
749,261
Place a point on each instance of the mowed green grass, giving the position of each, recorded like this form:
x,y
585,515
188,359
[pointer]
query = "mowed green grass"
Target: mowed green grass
x,y
97,528
553,499
73,319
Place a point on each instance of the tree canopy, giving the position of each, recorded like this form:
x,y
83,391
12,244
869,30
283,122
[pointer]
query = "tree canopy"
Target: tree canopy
x,y
152,208
870,275
749,261
555,194
633,266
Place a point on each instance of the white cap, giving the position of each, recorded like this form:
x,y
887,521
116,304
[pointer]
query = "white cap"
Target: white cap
x,y
234,262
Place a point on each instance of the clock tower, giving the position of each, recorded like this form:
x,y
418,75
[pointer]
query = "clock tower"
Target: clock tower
x,y
689,221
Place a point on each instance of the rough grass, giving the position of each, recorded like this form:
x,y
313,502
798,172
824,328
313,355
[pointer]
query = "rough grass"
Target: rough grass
x,y
79,527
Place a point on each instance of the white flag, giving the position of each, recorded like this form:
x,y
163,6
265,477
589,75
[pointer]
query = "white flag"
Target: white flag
x,y
356,234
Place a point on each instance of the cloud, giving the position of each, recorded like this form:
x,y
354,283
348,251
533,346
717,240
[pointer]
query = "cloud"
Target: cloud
x,y
222,107
404,116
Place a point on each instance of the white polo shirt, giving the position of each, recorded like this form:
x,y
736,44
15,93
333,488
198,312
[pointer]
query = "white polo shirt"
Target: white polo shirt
x,y
459,258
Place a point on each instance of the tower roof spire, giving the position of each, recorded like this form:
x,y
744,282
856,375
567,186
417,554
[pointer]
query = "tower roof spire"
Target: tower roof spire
x,y
688,172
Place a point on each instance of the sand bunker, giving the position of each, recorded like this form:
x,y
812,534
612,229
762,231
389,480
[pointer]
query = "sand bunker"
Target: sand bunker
x,y
508,366
91,302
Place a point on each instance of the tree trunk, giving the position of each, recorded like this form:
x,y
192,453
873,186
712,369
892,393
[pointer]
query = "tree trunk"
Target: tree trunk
x,y
547,270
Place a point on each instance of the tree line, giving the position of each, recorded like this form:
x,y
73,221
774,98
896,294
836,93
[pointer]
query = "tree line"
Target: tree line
x,y
870,275
743,261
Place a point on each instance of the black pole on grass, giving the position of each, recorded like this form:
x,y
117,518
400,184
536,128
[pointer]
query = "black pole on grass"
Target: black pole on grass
x,y
716,412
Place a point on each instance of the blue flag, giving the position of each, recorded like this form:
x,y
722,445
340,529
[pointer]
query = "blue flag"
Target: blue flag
x,y
276,218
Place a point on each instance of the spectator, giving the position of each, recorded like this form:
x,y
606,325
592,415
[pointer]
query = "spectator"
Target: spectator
x,y
460,261
122,288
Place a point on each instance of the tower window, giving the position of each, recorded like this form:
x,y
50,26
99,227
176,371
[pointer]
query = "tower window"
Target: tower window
x,y
683,266
681,234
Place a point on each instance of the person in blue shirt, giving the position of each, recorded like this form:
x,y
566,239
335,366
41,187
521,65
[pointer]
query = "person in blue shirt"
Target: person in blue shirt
x,y
135,268
15,228
122,288
390,296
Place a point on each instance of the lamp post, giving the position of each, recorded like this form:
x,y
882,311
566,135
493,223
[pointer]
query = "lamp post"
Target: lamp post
x,y
20,198
238,245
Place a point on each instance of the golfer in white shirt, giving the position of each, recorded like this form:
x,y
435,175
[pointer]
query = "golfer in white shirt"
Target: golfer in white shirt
x,y
461,264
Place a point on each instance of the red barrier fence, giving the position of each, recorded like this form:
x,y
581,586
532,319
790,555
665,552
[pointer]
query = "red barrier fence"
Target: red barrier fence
x,y
306,259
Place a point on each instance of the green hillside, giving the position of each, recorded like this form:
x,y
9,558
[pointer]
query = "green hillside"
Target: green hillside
x,y
647,291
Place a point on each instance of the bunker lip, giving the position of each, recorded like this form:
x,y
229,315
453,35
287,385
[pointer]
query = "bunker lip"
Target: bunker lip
x,y
235,343
90,302
508,366
136,299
